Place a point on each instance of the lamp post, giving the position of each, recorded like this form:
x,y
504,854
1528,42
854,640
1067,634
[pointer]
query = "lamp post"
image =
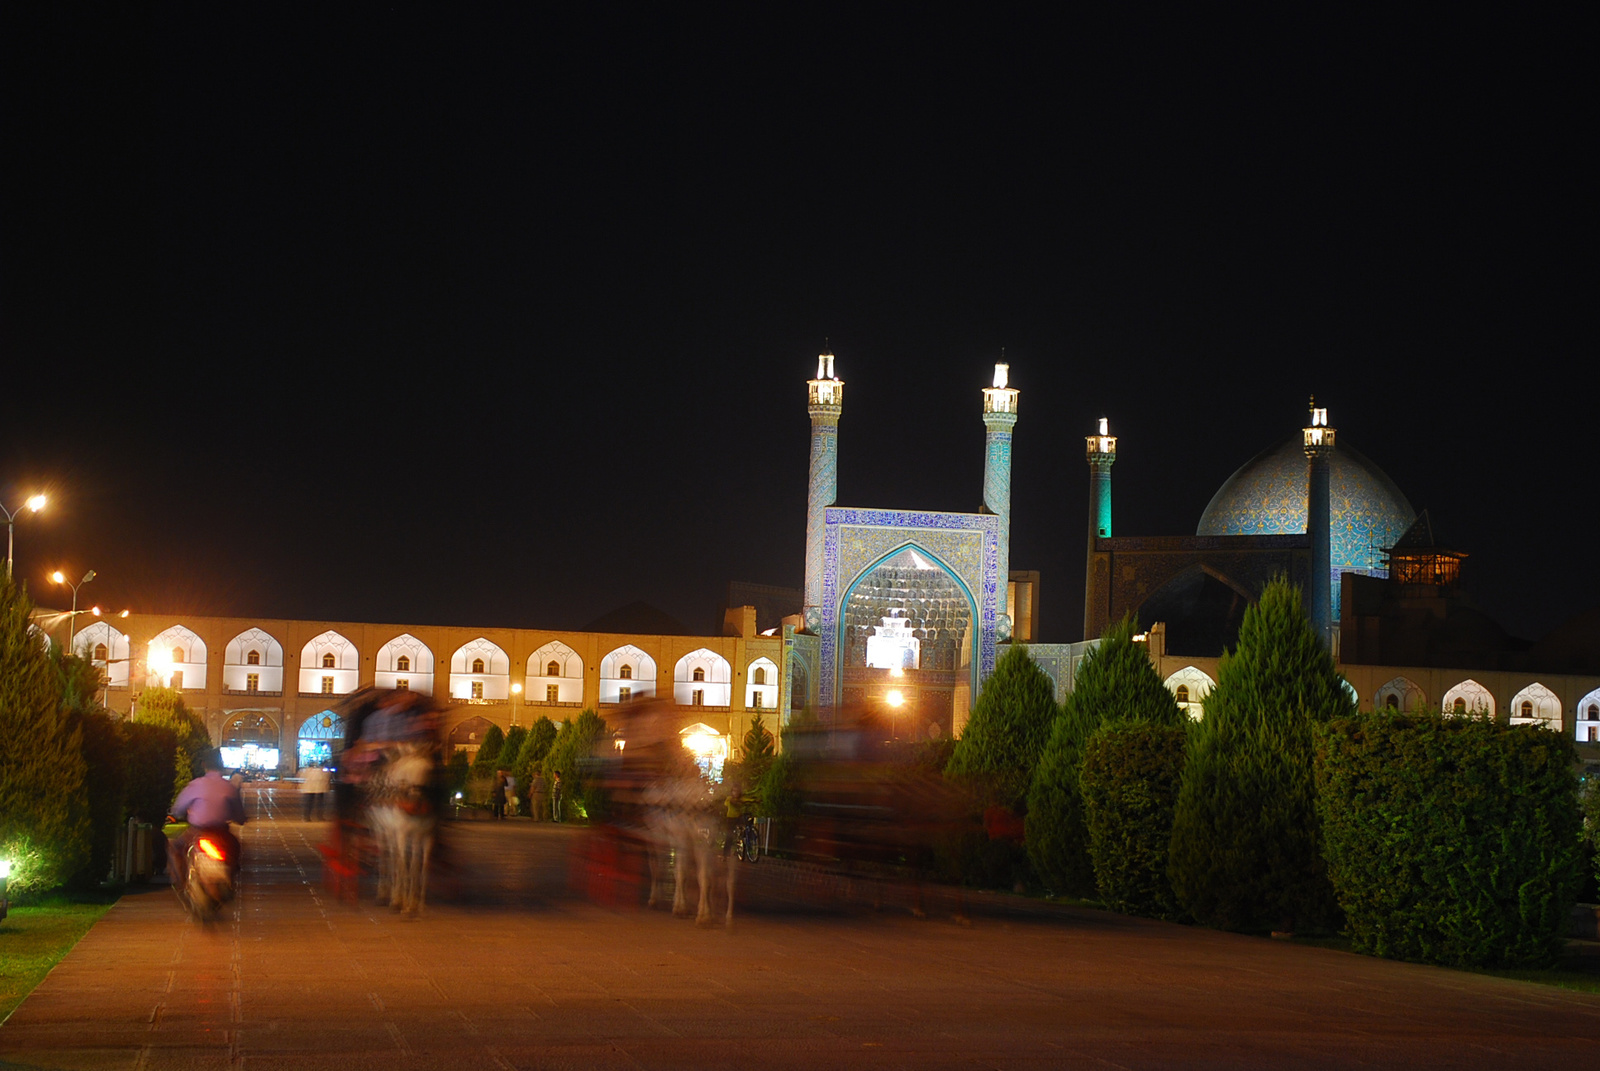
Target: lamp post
x,y
73,620
35,504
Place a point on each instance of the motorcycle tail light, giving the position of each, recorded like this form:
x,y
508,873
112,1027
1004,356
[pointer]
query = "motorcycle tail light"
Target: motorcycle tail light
x,y
210,847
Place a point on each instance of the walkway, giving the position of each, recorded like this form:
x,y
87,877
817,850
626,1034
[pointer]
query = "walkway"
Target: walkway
x,y
513,980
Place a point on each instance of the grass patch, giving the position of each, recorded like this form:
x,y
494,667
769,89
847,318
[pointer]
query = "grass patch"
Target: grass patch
x,y
33,940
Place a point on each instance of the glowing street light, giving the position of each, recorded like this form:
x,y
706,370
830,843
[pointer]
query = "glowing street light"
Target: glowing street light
x,y
160,663
73,620
35,504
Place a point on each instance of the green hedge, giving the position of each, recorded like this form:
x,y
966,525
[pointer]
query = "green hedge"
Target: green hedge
x,y
1450,840
1129,780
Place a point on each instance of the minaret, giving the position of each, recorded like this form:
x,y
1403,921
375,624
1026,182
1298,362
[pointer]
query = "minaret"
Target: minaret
x,y
999,417
1101,450
1319,448
826,399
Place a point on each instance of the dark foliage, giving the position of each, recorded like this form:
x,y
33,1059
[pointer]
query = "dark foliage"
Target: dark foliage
x,y
1130,778
1450,840
1115,682
488,756
1010,722
1246,850
44,814
573,754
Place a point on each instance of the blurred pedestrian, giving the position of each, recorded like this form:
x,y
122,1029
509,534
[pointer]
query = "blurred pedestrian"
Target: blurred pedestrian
x,y
536,794
497,797
314,783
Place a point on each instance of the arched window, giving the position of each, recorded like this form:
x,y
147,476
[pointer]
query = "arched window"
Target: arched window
x,y
327,660
403,664
1392,701
552,669
1182,694
477,665
177,655
699,673
1460,706
1527,709
100,652
759,676
1594,712
625,673
253,658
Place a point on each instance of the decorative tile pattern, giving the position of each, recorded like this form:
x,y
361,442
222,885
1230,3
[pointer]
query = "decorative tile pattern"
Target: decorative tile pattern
x,y
967,545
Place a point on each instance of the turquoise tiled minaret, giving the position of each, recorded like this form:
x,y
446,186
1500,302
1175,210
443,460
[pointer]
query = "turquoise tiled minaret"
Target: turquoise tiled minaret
x,y
1101,451
826,398
1319,529
999,417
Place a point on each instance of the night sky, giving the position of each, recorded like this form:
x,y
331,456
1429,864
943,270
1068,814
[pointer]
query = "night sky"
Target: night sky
x,y
501,317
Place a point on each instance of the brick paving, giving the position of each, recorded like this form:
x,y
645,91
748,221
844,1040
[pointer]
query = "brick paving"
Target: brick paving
x,y
512,974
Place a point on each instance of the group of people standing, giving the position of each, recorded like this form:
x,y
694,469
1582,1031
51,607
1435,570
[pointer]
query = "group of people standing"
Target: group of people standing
x,y
503,797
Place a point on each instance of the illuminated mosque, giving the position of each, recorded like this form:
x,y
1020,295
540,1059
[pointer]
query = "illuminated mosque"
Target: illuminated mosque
x,y
905,612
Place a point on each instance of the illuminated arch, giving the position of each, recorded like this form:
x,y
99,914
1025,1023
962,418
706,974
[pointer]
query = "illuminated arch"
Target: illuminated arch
x,y
191,670
417,676
492,683
1536,705
640,678
1402,694
1468,697
114,662
714,683
1587,714
567,680
761,684
1196,684
344,673
268,667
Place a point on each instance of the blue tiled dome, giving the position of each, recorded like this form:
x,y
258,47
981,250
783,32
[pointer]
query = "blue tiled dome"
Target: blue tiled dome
x,y
1267,496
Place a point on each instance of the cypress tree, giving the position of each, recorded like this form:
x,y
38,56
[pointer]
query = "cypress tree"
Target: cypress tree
x,y
1000,746
164,708
758,750
1246,850
535,746
105,765
489,751
1115,682
512,748
44,819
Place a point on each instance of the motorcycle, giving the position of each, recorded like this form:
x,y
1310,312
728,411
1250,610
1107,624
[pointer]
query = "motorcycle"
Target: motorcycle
x,y
209,869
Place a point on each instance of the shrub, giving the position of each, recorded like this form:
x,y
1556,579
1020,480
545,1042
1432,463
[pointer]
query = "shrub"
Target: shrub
x,y
165,707
1000,746
570,755
459,769
147,752
1246,850
1115,682
511,750
1450,840
105,768
488,756
44,816
1129,781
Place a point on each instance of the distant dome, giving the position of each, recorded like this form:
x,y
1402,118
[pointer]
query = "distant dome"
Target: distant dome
x,y
1267,496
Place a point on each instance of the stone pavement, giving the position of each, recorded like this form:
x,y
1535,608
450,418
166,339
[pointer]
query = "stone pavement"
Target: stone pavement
x,y
510,975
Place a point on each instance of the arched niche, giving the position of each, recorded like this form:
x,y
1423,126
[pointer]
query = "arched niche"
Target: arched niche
x,y
1587,714
761,685
107,648
702,678
1536,705
178,658
1190,686
405,662
1402,693
467,735
555,674
320,739
329,665
253,653
480,671
250,740
1469,698
709,748
626,673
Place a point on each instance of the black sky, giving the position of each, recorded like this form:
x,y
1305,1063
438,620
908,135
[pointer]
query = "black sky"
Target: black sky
x,y
503,317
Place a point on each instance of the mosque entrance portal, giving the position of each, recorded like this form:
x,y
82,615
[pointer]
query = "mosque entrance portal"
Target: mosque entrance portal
x,y
907,645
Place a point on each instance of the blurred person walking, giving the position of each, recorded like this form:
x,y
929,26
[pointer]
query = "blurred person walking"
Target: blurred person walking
x,y
555,798
314,784
497,796
536,795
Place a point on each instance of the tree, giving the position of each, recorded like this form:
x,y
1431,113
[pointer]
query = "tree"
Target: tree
x,y
576,742
758,750
44,818
1129,780
1246,842
105,766
535,746
489,751
1115,683
1010,722
515,736
164,708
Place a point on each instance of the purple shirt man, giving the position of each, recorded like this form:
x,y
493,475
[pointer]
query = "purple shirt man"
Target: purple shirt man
x,y
209,802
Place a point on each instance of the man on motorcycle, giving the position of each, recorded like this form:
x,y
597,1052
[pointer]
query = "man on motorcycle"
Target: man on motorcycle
x,y
208,804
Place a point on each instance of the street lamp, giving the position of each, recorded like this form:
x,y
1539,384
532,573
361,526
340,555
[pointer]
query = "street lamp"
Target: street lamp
x,y
73,620
36,503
